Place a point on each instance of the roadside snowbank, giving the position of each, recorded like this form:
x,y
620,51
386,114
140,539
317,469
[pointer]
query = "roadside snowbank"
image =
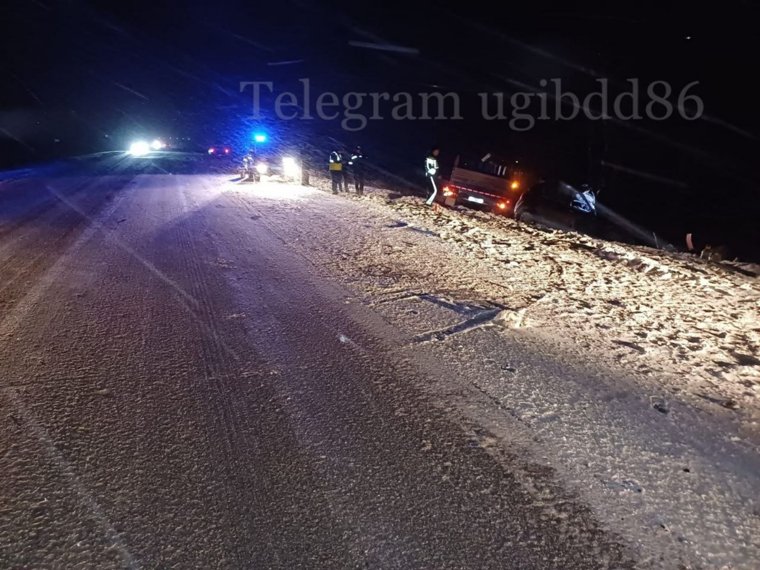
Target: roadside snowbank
x,y
690,325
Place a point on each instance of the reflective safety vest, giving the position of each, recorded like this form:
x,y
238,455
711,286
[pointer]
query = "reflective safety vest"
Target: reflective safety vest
x,y
336,161
431,166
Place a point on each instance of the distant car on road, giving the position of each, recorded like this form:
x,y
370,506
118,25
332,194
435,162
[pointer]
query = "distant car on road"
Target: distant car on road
x,y
220,151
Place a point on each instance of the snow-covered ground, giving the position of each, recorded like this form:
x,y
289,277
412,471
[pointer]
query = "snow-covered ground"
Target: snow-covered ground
x,y
690,325
598,362
170,343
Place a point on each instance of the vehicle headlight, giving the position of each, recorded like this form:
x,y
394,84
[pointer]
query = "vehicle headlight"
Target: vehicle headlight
x,y
139,148
290,167
262,168
158,144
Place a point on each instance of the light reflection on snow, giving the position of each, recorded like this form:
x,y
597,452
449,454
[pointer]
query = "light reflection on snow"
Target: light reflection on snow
x,y
276,190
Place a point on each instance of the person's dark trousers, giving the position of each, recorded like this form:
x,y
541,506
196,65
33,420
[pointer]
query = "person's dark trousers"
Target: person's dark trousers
x,y
359,182
337,181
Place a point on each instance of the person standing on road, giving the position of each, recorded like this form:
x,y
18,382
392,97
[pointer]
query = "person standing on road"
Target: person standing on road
x,y
357,169
346,169
336,171
431,173
249,166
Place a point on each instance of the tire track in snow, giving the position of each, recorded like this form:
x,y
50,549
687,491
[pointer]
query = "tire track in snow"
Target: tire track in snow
x,y
14,253
223,366
218,357
8,325
83,494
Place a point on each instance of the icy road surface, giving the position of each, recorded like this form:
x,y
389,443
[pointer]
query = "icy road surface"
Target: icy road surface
x,y
200,374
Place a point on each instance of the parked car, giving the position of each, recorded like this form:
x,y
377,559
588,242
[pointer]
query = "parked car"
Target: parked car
x,y
220,151
271,167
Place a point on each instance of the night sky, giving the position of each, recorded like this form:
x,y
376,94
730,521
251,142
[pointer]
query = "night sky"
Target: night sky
x,y
83,76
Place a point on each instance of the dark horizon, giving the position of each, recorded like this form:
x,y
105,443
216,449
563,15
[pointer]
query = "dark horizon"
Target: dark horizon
x,y
88,76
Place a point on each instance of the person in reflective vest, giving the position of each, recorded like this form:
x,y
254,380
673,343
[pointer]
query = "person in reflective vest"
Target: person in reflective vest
x,y
431,173
356,166
336,171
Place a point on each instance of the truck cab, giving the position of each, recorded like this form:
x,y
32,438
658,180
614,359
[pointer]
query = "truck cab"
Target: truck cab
x,y
484,183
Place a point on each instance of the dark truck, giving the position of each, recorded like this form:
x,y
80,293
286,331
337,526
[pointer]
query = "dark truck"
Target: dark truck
x,y
557,204
484,184
574,207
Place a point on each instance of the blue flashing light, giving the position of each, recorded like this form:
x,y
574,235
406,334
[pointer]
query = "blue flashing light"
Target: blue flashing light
x,y
260,137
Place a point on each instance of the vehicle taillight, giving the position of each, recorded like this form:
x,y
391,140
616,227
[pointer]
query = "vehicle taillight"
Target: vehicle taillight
x,y
503,205
515,184
447,191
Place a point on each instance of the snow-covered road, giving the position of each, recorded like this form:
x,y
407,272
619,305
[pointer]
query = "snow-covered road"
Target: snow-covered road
x,y
201,374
